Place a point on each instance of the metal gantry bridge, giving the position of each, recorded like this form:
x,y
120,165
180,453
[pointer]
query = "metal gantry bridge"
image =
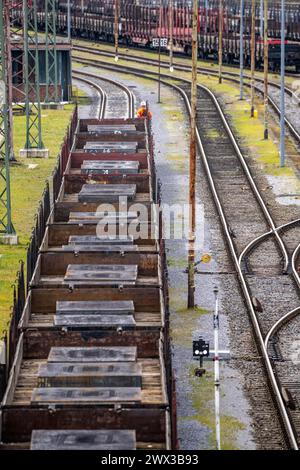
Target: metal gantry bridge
x,y
19,33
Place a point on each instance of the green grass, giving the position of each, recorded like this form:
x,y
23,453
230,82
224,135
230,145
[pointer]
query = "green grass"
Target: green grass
x,y
79,96
250,130
27,186
184,320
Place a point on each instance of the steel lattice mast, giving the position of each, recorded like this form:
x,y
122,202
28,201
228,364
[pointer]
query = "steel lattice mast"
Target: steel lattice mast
x,y
51,52
31,75
14,35
8,73
6,226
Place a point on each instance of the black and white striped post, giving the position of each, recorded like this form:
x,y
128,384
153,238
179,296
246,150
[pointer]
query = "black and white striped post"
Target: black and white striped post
x,y
217,369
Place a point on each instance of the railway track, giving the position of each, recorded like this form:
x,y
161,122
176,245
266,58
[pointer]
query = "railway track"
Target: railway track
x,y
109,94
243,216
293,101
181,66
99,111
258,249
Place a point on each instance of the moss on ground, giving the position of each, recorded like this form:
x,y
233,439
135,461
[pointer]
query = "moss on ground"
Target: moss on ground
x,y
174,114
80,97
213,133
184,320
201,395
250,130
177,262
28,178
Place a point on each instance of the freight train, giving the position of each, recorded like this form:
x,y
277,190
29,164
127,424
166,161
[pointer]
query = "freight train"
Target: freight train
x,y
139,21
90,361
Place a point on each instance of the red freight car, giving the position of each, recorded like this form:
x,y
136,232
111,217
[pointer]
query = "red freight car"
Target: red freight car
x,y
141,21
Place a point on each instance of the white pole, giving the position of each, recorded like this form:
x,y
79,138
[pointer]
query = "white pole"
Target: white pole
x,y
217,370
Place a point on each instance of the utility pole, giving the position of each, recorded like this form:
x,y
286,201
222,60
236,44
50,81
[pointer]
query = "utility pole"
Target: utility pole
x,y
242,50
116,28
171,26
33,145
282,87
13,26
8,74
51,52
217,370
7,230
221,13
69,34
266,70
193,155
253,56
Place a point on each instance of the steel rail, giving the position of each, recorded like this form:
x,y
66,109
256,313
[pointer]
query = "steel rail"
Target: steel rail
x,y
293,313
181,67
245,167
230,76
180,56
101,92
280,323
250,178
129,94
257,240
246,291
271,375
294,259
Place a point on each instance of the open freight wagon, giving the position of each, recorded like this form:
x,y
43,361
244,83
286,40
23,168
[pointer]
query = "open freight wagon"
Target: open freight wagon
x,y
92,368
